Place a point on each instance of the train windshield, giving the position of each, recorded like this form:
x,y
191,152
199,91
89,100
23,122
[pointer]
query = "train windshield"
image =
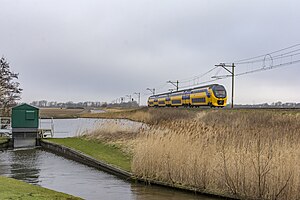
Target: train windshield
x,y
219,91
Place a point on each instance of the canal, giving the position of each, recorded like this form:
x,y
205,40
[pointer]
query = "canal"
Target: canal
x,y
48,170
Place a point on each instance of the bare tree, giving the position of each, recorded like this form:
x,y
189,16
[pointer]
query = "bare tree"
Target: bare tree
x,y
9,89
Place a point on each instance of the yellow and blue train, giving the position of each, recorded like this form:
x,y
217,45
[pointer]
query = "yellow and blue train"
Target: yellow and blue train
x,y
209,95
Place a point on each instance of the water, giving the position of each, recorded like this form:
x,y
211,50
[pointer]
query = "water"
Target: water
x,y
74,127
57,173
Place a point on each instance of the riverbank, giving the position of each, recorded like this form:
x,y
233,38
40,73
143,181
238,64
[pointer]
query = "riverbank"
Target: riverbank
x,y
14,189
61,113
98,150
78,148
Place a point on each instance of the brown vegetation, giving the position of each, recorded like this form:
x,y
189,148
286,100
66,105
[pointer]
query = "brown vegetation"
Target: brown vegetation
x,y
145,115
244,153
60,112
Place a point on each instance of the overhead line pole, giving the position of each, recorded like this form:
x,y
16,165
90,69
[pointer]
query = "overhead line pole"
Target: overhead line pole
x,y
129,96
224,66
151,90
174,83
139,96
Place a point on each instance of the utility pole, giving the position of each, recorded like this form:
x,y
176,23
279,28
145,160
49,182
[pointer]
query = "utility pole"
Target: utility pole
x,y
232,77
129,97
151,90
139,96
175,83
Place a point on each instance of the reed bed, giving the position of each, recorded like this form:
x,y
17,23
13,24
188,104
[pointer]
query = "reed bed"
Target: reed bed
x,y
245,154
242,153
114,131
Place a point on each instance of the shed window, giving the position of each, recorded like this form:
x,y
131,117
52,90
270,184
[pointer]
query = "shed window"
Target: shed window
x,y
30,114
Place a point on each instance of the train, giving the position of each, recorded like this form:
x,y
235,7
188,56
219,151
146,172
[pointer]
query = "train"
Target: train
x,y
213,95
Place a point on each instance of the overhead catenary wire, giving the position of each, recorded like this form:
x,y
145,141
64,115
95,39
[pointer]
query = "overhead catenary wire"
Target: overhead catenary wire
x,y
263,58
281,54
276,57
262,55
196,77
268,68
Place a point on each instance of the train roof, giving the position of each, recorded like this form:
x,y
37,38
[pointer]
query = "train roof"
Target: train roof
x,y
183,90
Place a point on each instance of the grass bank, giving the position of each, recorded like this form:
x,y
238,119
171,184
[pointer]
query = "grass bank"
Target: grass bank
x,y
108,153
14,189
60,112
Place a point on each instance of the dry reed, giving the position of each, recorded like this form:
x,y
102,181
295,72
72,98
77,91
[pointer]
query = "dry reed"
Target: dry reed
x,y
245,154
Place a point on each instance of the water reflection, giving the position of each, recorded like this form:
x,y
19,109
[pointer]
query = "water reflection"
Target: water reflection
x,y
24,165
48,170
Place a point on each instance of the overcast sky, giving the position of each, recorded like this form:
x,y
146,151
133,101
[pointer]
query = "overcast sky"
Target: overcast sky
x,y
101,50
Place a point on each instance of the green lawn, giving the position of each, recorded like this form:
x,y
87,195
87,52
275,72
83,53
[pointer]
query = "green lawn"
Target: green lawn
x,y
98,150
14,189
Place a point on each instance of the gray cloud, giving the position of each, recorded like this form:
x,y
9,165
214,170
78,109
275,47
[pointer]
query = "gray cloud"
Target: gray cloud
x,y
101,50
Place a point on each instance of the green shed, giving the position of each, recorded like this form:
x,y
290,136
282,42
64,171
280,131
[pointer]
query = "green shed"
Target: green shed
x,y
25,116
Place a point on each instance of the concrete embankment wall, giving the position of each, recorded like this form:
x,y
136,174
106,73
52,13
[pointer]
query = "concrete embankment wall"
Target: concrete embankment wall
x,y
84,159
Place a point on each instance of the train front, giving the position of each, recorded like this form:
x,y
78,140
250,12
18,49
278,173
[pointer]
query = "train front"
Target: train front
x,y
219,96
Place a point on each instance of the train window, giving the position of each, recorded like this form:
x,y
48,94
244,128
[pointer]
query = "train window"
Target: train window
x,y
186,97
198,91
198,100
176,101
219,91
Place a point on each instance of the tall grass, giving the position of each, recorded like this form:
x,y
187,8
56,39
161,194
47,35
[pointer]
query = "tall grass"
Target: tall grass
x,y
245,154
114,131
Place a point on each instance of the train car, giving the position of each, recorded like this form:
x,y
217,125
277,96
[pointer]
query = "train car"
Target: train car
x,y
176,99
210,95
151,101
168,101
218,96
162,101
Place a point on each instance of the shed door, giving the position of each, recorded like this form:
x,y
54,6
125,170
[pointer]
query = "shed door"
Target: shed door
x,y
29,114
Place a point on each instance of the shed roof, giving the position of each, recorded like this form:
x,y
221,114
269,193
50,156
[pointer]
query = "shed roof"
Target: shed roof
x,y
25,106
